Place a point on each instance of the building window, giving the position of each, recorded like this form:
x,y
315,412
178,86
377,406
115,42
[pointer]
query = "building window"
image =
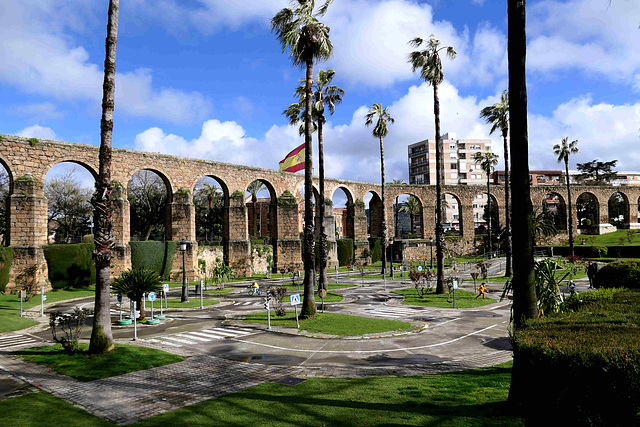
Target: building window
x,y
454,166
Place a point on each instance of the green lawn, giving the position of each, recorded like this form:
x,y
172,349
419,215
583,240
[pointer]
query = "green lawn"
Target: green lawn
x,y
175,303
85,367
331,323
331,297
609,239
464,299
467,398
10,307
210,287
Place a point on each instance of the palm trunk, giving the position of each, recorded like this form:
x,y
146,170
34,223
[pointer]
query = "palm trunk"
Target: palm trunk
x,y
507,214
490,212
140,307
309,304
570,216
439,182
322,280
384,216
524,293
101,336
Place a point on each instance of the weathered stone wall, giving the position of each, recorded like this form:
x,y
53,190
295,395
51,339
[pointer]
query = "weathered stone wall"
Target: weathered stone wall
x,y
27,212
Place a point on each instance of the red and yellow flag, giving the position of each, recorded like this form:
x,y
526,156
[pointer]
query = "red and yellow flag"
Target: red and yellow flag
x,y
294,161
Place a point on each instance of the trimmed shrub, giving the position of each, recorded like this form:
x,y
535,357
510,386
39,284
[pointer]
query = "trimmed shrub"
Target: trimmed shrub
x,y
376,249
70,266
87,238
345,251
586,364
619,274
153,255
6,259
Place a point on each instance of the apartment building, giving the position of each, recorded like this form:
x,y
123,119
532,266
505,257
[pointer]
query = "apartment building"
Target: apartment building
x,y
459,167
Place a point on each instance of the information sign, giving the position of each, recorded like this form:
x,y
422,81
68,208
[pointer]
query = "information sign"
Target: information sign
x,y
152,296
295,299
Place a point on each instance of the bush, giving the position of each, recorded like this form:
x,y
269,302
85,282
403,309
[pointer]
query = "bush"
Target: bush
x,y
136,282
376,249
586,364
6,259
70,266
153,255
619,274
345,251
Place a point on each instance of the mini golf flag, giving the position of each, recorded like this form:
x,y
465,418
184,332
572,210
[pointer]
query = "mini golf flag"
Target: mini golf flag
x,y
294,161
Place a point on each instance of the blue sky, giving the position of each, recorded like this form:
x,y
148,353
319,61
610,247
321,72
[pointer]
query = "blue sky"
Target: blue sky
x,y
207,79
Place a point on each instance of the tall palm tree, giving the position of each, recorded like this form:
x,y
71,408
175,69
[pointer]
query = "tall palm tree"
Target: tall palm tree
x,y
307,39
524,291
563,150
101,336
497,115
430,66
395,210
412,207
254,188
487,161
325,94
380,130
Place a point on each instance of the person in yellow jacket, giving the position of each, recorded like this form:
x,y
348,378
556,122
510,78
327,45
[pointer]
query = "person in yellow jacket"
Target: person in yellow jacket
x,y
481,290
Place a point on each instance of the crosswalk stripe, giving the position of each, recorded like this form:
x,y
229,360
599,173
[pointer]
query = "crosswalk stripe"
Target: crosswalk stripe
x,y
172,344
191,336
202,334
16,340
180,340
229,332
11,336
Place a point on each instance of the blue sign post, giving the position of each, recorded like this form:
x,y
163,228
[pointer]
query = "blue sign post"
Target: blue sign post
x,y
152,298
295,300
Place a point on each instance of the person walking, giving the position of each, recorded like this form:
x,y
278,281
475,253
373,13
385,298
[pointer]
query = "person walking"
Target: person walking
x,y
592,270
481,290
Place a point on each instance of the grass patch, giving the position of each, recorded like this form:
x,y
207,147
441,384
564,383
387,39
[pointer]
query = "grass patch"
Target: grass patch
x,y
331,297
331,323
10,319
86,367
193,302
43,409
468,398
609,239
464,299
210,287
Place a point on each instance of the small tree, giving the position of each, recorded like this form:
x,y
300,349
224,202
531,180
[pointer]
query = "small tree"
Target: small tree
x,y
70,324
221,273
136,282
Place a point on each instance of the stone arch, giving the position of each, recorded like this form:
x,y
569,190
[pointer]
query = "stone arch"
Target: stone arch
x,y
6,189
618,210
161,217
416,221
67,223
85,165
374,212
343,213
555,209
209,222
261,210
588,210
453,215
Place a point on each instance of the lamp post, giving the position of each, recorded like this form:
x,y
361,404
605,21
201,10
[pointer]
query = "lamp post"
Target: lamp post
x,y
391,244
185,288
431,246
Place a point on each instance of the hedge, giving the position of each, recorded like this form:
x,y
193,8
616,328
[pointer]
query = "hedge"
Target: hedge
x,y
345,251
376,249
6,259
70,266
583,367
154,255
619,274
588,251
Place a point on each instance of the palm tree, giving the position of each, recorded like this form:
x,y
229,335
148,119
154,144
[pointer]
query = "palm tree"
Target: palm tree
x,y
563,150
412,207
430,66
395,210
487,161
101,336
498,116
380,130
327,95
307,39
254,188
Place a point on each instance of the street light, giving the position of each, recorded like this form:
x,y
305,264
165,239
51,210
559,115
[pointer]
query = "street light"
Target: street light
x,y
185,289
391,244
431,246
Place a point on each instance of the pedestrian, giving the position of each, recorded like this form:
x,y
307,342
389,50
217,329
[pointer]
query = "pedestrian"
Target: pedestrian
x,y
481,290
592,270
572,288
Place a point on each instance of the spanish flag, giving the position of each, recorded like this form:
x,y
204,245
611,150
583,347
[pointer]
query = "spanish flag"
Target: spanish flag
x,y
294,161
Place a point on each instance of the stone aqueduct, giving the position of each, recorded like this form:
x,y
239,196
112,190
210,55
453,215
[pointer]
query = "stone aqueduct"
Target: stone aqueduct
x,y
27,162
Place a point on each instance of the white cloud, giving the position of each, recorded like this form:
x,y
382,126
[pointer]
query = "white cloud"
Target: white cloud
x,y
37,131
42,111
49,63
